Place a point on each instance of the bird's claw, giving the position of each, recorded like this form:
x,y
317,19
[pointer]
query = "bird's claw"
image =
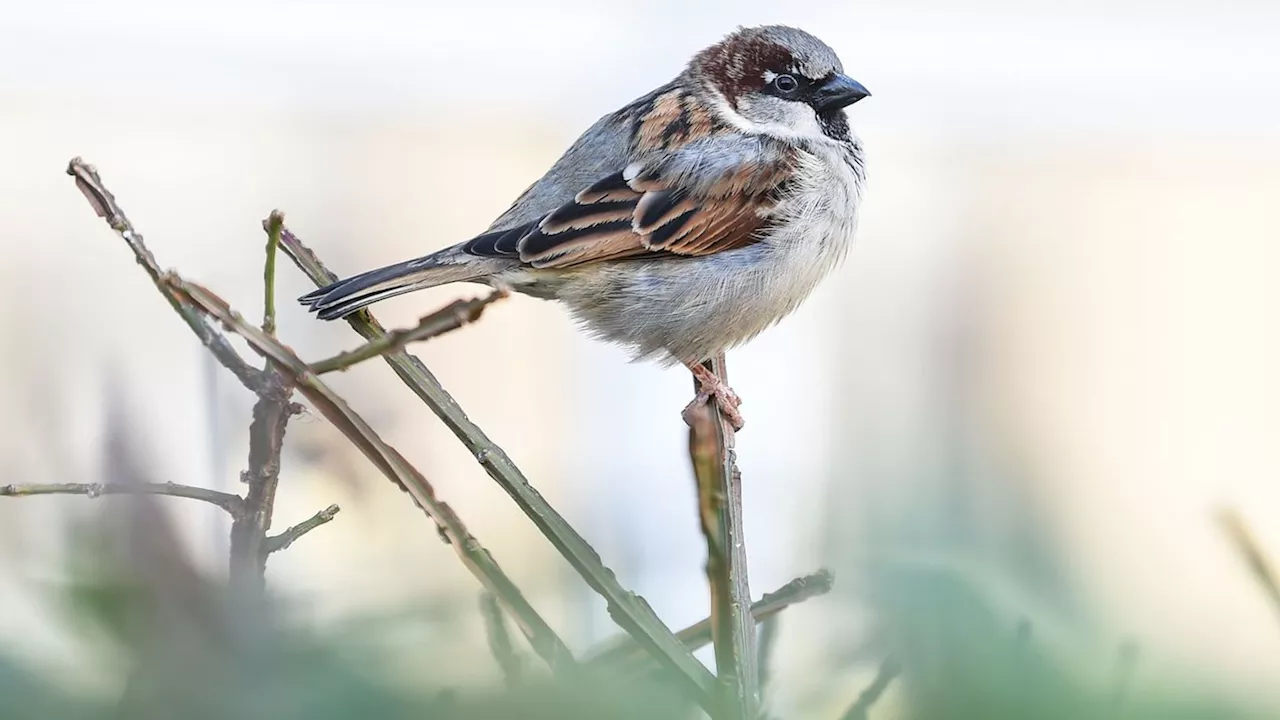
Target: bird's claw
x,y
711,386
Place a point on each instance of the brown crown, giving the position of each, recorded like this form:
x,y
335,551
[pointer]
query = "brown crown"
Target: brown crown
x,y
736,65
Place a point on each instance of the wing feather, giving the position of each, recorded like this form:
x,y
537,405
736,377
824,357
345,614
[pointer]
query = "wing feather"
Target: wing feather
x,y
690,196
646,209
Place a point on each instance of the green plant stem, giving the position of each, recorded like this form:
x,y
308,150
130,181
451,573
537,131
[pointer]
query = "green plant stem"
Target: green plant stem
x,y
274,222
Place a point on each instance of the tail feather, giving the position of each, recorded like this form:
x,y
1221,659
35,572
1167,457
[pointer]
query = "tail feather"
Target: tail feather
x,y
347,296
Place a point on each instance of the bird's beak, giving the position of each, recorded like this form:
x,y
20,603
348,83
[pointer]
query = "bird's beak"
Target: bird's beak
x,y
838,92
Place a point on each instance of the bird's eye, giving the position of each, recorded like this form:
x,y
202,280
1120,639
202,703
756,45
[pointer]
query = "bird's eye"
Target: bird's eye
x,y
785,83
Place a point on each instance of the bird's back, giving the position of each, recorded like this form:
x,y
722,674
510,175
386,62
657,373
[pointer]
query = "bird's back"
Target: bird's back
x,y
604,149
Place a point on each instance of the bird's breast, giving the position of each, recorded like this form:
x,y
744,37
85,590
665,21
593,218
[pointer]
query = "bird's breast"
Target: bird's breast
x,y
816,222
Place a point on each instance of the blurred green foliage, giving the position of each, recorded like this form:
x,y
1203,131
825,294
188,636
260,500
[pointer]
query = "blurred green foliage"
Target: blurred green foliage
x,y
182,647
191,651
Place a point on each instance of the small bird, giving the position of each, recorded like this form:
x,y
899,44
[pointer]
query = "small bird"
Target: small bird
x,y
683,224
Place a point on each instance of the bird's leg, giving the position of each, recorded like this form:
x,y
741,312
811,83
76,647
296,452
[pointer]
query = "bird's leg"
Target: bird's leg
x,y
709,386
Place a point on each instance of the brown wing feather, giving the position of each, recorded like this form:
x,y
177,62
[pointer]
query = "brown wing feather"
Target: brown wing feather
x,y
637,211
722,227
728,217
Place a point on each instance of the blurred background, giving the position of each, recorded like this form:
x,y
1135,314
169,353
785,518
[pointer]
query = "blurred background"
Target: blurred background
x,y
1048,361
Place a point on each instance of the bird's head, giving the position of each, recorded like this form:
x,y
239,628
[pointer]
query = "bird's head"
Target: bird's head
x,y
777,80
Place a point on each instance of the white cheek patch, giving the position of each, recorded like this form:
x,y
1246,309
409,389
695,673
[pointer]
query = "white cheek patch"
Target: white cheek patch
x,y
803,120
780,118
799,121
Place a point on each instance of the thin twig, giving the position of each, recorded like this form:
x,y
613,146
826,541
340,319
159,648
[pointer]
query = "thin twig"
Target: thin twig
x,y
276,543
697,635
719,484
252,514
104,203
495,626
271,413
1259,564
629,610
861,708
226,501
274,222
389,461
447,319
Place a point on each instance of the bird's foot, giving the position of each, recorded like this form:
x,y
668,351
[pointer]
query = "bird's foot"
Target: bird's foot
x,y
711,386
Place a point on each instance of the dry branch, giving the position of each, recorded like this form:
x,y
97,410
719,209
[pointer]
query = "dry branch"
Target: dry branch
x,y
273,386
276,543
252,518
629,610
389,461
719,485
623,649
447,319
226,501
271,415
104,203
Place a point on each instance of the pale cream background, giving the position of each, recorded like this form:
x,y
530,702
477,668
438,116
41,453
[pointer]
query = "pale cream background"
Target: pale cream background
x,y
1068,258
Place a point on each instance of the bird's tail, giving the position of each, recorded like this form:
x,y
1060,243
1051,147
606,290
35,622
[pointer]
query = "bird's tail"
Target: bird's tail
x,y
358,291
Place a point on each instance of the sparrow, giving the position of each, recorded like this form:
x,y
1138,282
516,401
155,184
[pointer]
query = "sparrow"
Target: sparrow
x,y
683,224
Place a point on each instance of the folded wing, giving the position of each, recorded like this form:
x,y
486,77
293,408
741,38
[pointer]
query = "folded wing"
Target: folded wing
x,y
709,196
